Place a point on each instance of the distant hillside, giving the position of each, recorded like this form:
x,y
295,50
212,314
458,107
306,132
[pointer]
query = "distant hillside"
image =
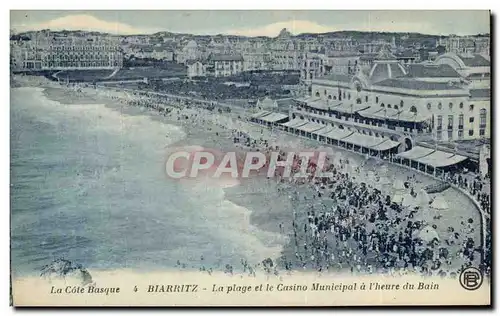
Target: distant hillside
x,y
358,35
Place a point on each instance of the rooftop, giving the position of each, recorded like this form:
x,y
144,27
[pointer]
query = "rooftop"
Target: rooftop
x,y
475,61
412,84
226,57
336,77
432,71
480,93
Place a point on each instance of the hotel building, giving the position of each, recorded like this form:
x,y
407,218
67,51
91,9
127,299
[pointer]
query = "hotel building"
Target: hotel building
x,y
65,53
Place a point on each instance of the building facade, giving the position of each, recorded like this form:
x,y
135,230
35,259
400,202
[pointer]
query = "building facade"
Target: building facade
x,y
66,53
195,68
466,44
220,65
430,103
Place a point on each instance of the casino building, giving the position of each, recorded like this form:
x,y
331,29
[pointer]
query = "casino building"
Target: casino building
x,y
445,101
403,111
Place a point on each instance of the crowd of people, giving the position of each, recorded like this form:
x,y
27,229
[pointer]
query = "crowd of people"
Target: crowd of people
x,y
361,229
475,186
365,232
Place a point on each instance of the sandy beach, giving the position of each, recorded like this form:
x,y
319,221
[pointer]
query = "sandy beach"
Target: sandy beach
x,y
274,206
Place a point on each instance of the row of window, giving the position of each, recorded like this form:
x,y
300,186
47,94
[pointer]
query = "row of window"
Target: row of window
x,y
93,47
482,120
334,97
439,134
401,104
79,64
450,106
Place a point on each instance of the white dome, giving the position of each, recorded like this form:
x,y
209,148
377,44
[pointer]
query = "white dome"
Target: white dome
x,y
191,44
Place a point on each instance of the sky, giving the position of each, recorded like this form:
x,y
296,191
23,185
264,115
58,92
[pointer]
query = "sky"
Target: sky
x,y
253,23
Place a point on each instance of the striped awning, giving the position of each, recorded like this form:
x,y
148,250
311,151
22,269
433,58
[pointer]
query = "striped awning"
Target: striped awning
x,y
295,123
338,133
310,127
415,153
363,140
260,114
432,157
441,159
385,145
273,117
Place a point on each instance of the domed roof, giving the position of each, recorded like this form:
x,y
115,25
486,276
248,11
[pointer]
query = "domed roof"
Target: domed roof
x,y
191,44
387,69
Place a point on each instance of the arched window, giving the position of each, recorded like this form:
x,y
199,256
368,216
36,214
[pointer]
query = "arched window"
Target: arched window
x,y
401,104
471,107
429,106
358,88
376,100
334,97
413,109
389,106
382,105
317,94
329,97
440,106
461,105
358,101
396,107
450,105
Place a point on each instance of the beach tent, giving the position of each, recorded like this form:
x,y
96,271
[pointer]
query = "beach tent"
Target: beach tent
x,y
398,185
427,234
397,198
409,201
384,180
423,198
439,203
399,188
383,169
370,176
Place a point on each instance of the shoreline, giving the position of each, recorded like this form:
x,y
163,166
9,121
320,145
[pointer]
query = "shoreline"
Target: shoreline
x,y
192,131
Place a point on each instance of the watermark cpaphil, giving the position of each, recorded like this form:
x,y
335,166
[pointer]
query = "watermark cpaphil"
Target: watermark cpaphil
x,y
196,161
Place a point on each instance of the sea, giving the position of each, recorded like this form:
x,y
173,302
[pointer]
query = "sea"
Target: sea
x,y
88,185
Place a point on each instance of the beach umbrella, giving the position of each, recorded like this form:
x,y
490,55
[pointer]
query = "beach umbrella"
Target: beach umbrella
x,y
439,203
427,234
423,198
